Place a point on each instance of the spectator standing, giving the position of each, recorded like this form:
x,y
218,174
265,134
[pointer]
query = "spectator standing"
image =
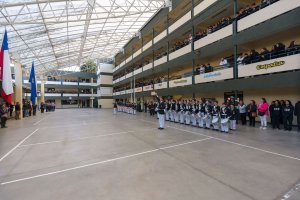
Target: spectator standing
x,y
17,111
11,109
34,110
271,109
252,112
287,114
42,107
224,62
263,113
243,112
145,106
240,59
275,116
3,115
297,114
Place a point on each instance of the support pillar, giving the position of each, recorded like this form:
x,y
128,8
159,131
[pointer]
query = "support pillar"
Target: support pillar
x,y
43,91
19,86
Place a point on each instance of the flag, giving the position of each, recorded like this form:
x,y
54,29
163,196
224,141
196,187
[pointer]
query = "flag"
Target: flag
x,y
5,72
32,80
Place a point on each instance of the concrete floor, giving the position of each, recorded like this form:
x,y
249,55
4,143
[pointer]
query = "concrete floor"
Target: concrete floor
x,y
92,154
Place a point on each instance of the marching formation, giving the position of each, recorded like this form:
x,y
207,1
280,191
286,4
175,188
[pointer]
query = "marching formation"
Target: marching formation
x,y
203,113
209,114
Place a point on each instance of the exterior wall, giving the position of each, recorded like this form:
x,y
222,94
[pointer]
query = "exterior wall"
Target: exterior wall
x,y
106,103
58,103
107,80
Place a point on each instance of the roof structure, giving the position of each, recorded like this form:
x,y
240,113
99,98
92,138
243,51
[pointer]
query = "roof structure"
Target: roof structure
x,y
58,34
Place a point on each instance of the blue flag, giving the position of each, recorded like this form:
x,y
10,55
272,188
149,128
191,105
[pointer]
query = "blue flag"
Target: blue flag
x,y
32,80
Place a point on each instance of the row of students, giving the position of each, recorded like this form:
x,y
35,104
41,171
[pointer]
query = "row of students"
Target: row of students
x,y
202,114
125,107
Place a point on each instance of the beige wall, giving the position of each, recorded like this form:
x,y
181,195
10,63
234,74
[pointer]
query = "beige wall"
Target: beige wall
x,y
105,79
58,103
106,103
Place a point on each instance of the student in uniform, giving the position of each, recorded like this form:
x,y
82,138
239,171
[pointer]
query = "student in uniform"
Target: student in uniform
x,y
195,111
208,114
182,110
168,106
161,112
115,108
276,112
173,110
201,113
215,116
177,113
287,114
225,114
188,113
233,117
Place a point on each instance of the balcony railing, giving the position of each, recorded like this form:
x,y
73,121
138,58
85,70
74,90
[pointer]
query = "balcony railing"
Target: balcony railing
x,y
160,36
218,75
129,91
137,71
86,95
148,88
148,66
267,13
52,94
160,61
70,94
147,46
159,86
214,37
70,83
129,75
203,5
180,52
138,89
138,52
180,21
280,64
181,82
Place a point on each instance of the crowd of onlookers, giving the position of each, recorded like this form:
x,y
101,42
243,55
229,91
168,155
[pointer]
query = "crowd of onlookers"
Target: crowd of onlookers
x,y
250,9
50,78
278,50
7,111
180,44
281,112
251,57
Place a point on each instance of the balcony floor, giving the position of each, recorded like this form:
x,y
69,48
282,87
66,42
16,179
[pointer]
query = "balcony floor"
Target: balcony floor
x,y
93,154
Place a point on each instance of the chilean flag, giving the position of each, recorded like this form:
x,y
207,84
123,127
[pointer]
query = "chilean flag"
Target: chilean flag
x,y
5,72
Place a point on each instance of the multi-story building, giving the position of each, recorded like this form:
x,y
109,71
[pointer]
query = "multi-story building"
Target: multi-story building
x,y
76,89
214,49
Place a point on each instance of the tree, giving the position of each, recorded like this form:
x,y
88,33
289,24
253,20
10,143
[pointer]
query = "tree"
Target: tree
x,y
89,66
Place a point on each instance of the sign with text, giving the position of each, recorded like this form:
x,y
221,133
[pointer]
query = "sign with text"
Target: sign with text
x,y
148,88
180,82
139,89
270,66
214,76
